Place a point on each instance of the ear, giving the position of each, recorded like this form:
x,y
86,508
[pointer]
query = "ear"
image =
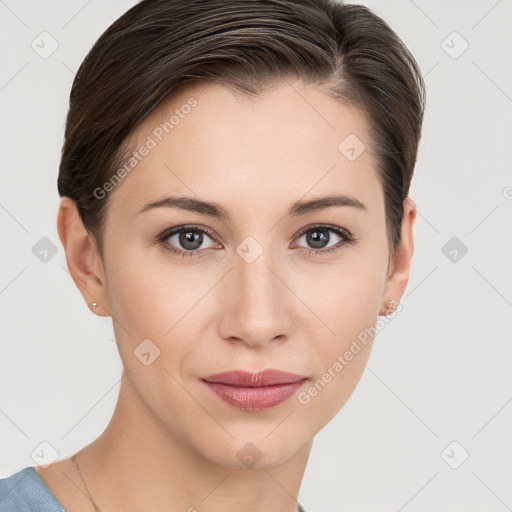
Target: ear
x,y
83,259
400,264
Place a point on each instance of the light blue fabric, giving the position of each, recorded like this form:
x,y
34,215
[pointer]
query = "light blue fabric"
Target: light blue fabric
x,y
24,491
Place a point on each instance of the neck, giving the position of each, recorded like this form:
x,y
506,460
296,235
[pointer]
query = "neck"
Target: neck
x,y
138,463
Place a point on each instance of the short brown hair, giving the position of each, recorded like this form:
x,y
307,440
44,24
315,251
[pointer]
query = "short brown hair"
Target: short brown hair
x,y
159,45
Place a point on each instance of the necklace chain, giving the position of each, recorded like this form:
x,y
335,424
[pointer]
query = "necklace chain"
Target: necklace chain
x,y
82,477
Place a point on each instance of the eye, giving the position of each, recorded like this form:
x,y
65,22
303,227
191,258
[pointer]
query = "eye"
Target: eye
x,y
319,237
189,241
186,240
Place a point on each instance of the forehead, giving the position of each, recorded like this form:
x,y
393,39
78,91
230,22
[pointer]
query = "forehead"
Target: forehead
x,y
289,141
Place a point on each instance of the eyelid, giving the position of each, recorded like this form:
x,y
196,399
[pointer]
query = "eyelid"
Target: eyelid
x,y
336,229
178,229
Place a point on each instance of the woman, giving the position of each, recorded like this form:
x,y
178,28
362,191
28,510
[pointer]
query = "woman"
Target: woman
x,y
234,184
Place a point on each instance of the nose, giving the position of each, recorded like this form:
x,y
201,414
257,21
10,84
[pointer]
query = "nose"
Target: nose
x,y
256,302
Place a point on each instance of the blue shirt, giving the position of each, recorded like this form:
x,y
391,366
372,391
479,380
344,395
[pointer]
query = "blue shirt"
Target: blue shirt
x,y
24,491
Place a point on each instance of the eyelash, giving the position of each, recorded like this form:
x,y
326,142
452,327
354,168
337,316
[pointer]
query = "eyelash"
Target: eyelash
x,y
346,239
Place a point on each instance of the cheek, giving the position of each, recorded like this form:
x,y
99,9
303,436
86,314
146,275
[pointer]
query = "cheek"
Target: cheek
x,y
149,308
348,297
348,305
148,294
339,360
158,300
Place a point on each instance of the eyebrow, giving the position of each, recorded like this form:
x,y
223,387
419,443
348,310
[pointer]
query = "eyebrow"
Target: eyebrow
x,y
217,211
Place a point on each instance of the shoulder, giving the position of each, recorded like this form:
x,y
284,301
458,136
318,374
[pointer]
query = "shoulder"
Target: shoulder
x,y
24,491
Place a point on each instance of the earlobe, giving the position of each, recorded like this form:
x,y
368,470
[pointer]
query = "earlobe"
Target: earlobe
x,y
83,260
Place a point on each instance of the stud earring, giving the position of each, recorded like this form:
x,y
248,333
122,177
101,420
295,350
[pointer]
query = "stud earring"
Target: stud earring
x,y
94,304
391,306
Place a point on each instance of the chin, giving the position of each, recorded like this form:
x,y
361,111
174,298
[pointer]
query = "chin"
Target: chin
x,y
244,450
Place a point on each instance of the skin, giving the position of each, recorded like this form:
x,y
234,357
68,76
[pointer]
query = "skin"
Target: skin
x,y
171,443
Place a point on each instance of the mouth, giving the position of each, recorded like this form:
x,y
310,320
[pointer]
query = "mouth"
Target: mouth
x,y
254,391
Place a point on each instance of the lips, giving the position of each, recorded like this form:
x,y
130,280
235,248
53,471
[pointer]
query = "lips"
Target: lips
x,y
242,378
254,391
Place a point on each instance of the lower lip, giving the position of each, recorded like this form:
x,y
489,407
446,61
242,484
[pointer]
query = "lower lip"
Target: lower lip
x,y
255,399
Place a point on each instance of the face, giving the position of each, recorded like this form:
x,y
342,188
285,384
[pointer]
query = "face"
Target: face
x,y
256,280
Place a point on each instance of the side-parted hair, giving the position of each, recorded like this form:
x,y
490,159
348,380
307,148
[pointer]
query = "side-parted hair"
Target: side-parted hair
x,y
157,46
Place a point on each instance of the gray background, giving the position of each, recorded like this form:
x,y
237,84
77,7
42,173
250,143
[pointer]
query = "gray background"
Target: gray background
x,y
439,373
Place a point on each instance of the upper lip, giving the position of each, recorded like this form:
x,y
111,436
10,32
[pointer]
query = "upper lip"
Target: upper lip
x,y
242,378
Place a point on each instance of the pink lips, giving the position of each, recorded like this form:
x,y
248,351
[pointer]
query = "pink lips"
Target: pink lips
x,y
254,391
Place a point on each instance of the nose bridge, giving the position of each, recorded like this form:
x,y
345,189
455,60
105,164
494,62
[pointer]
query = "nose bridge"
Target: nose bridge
x,y
255,310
